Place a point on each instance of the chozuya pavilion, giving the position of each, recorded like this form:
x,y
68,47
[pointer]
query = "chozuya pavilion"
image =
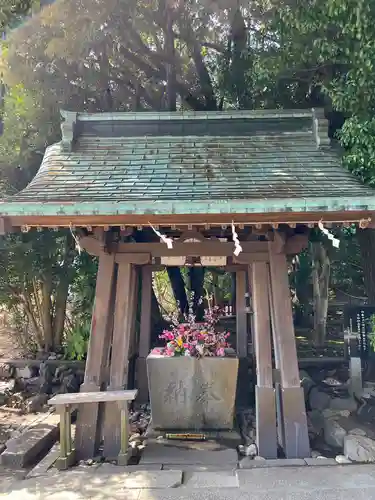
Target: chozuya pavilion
x,y
191,178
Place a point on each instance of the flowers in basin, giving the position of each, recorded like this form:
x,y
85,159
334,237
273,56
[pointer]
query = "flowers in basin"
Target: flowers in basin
x,y
197,339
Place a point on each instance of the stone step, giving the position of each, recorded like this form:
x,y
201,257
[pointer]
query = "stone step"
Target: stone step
x,y
25,449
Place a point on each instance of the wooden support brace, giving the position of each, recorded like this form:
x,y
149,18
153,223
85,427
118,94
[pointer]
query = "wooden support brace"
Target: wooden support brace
x,y
87,434
293,404
241,319
67,454
145,334
122,458
122,330
264,391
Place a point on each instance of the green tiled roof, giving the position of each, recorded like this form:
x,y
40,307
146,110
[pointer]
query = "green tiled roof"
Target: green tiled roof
x,y
239,162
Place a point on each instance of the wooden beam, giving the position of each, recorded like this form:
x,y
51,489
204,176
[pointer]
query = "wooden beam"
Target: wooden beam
x,y
248,258
87,422
266,434
91,245
133,258
293,402
241,319
144,333
192,219
119,357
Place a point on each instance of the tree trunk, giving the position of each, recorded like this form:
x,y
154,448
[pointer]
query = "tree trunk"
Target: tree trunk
x,y
320,277
62,291
170,56
240,66
178,287
196,275
366,240
46,312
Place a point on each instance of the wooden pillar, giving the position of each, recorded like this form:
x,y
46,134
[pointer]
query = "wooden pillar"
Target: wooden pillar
x,y
276,371
144,334
87,433
264,391
241,319
123,329
293,402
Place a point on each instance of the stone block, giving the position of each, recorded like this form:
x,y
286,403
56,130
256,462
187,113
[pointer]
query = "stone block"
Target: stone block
x,y
210,479
42,467
22,450
168,455
297,444
188,393
319,462
266,433
149,479
247,463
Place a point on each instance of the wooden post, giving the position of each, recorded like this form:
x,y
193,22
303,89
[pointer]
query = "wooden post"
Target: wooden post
x,y
241,320
264,391
145,334
293,403
87,435
122,331
122,458
276,371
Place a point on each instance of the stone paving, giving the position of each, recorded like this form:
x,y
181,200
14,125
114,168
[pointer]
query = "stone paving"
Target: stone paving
x,y
273,483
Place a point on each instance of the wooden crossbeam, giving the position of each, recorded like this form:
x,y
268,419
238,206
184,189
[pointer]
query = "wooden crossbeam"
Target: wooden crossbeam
x,y
204,248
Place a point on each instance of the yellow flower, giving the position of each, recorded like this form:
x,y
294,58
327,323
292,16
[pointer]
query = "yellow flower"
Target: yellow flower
x,y
179,341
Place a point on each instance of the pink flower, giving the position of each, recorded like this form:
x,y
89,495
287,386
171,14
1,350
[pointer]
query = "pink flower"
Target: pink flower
x,y
220,352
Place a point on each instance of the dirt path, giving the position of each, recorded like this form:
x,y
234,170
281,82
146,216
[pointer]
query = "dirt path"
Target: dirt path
x,y
10,418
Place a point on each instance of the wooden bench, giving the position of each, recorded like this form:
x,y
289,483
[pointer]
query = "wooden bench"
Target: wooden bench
x,y
66,403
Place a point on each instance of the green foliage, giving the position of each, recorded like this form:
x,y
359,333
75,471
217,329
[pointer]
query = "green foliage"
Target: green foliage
x,y
330,44
76,342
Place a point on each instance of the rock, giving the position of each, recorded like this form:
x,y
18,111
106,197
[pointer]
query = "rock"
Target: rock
x,y
135,437
359,448
315,422
357,432
259,459
36,403
341,459
343,404
69,384
8,386
329,413
334,434
248,451
45,378
41,355
136,415
318,400
366,412
26,372
6,371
